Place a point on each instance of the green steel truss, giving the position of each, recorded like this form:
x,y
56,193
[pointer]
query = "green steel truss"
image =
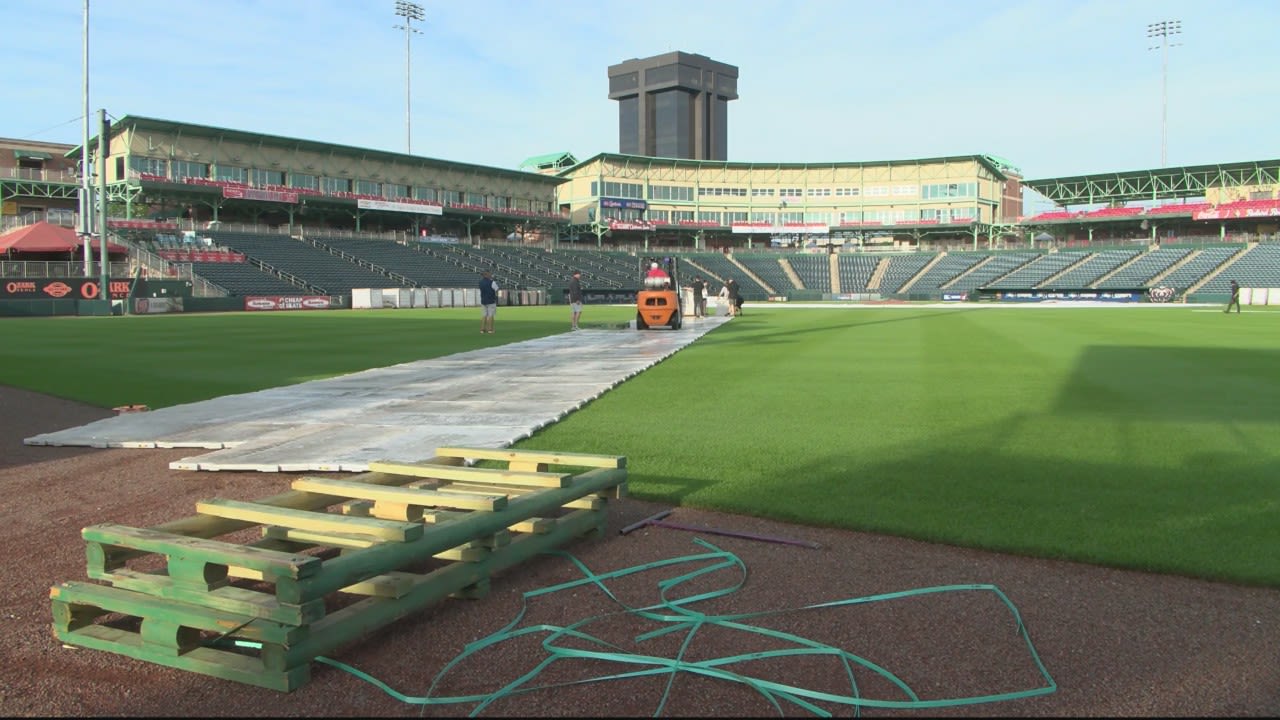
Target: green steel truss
x,y
12,188
59,190
1160,184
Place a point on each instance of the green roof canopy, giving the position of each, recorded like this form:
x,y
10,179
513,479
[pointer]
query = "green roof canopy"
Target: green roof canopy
x,y
553,160
32,155
1157,184
1004,164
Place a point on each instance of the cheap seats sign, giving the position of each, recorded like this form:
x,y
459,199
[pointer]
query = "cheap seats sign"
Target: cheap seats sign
x,y
286,302
61,289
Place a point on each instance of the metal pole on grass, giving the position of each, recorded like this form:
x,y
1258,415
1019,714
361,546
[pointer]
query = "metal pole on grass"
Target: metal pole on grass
x,y
103,129
86,183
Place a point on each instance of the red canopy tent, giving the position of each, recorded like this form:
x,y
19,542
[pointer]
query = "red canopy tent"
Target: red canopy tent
x,y
44,237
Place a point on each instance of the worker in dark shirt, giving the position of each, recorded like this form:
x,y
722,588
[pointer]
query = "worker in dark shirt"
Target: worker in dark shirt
x,y
488,301
735,299
575,296
699,296
1235,297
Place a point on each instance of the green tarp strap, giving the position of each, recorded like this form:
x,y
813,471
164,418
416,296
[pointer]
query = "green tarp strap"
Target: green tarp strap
x,y
676,614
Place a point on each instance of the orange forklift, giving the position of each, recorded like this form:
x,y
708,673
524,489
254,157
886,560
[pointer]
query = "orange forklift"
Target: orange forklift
x,y
658,301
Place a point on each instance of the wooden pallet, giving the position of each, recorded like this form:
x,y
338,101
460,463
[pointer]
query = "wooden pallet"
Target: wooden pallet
x,y
337,559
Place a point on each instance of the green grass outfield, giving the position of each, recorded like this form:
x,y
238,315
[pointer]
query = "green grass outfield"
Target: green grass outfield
x,y
1141,437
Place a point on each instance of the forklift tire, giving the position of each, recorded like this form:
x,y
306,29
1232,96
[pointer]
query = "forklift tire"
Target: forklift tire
x,y
675,322
640,324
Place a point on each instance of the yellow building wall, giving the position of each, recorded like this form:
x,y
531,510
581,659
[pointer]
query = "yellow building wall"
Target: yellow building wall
x,y
901,182
1243,192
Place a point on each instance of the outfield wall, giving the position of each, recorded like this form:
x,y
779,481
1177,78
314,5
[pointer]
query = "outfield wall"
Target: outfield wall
x,y
52,308
1260,296
372,298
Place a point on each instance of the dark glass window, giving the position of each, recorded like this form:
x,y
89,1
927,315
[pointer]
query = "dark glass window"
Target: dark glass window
x,y
626,81
672,124
266,177
302,180
719,129
629,126
664,74
690,76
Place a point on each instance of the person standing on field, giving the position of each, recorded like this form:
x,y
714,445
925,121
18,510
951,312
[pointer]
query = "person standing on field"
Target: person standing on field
x,y
488,302
735,299
1235,297
699,296
575,297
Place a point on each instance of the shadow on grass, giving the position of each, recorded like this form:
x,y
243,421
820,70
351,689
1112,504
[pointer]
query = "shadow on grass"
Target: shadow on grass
x,y
784,335
1174,384
1204,517
984,486
667,488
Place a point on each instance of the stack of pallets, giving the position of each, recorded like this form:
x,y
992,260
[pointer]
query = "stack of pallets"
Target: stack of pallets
x,y
335,560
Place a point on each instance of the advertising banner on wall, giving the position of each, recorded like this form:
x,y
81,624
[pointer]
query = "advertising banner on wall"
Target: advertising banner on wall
x,y
152,306
783,229
244,193
1061,296
404,207
631,225
623,203
1236,213
286,302
59,289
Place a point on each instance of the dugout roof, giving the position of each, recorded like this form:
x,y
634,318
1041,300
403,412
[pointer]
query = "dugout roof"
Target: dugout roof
x,y
1157,184
46,237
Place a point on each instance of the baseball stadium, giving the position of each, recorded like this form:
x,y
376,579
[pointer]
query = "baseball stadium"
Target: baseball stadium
x,y
236,214
947,455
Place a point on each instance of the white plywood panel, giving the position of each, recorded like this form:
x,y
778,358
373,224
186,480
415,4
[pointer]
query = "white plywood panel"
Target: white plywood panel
x,y
489,397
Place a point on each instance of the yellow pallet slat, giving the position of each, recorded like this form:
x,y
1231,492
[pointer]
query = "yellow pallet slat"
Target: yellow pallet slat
x,y
474,475
308,520
492,501
543,457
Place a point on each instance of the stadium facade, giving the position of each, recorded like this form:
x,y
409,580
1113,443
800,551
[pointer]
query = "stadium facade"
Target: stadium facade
x,y
37,180
162,168
167,169
723,204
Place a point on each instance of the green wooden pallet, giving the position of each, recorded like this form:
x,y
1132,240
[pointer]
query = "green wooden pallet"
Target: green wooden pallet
x,y
332,563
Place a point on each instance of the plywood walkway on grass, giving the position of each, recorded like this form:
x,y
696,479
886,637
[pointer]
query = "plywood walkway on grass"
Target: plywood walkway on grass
x,y
490,397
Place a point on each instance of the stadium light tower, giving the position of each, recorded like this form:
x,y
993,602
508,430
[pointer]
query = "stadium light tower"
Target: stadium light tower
x,y
1163,30
410,11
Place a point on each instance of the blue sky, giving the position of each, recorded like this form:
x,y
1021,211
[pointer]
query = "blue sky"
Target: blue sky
x,y
1058,88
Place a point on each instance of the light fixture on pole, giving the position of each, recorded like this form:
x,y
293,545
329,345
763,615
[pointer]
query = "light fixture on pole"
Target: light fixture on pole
x,y
410,11
1163,30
